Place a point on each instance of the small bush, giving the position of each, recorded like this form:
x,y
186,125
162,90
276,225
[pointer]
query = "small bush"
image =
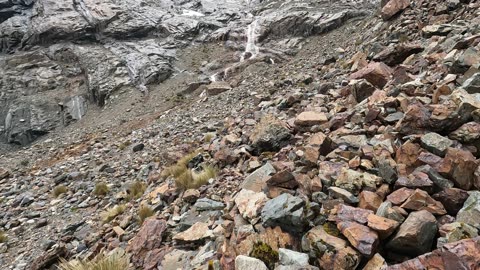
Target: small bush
x,y
101,189
58,190
3,237
118,260
111,213
136,190
144,212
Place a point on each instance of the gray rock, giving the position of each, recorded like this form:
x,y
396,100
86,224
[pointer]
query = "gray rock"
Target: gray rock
x,y
256,181
270,135
440,181
340,193
205,204
415,236
436,143
470,213
290,257
285,211
243,262
472,85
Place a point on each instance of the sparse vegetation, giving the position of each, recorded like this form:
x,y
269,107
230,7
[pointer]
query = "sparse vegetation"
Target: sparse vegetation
x,y
3,237
144,212
136,190
24,162
208,137
180,167
186,178
113,212
58,190
265,253
101,189
191,179
124,145
118,260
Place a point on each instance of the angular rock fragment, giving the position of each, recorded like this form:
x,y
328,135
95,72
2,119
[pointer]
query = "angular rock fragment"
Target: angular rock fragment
x,y
331,252
361,237
310,118
470,212
285,211
393,7
415,236
376,73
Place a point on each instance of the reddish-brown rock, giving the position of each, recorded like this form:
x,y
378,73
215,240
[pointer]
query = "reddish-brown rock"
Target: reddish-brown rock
x,y
377,262
452,199
415,180
393,7
284,179
457,255
399,196
383,226
394,55
147,239
461,167
335,253
369,200
360,237
310,118
408,154
376,73
420,200
344,212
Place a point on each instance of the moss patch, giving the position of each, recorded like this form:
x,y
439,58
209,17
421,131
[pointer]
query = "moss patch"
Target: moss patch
x,y
265,253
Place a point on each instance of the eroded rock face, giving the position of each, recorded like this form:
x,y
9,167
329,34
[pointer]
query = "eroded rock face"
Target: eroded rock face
x,y
89,49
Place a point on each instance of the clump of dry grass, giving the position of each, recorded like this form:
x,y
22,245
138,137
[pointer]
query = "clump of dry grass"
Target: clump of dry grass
x,y
144,212
124,145
3,237
117,260
186,178
191,179
136,190
180,167
111,213
58,190
101,189
208,137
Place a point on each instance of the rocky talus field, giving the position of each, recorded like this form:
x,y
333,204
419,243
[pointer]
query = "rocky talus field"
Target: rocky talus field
x,y
239,134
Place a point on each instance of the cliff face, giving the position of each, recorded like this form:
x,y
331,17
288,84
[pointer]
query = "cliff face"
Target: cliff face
x,y
60,57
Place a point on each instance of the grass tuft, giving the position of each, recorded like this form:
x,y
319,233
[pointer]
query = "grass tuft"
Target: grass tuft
x,y
191,179
101,189
186,178
208,137
3,237
144,212
118,260
111,213
136,190
58,190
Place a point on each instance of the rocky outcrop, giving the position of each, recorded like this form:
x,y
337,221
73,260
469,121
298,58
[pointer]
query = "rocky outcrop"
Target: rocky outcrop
x,y
79,53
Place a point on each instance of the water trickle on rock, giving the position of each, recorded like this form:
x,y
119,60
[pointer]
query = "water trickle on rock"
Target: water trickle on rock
x,y
251,49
